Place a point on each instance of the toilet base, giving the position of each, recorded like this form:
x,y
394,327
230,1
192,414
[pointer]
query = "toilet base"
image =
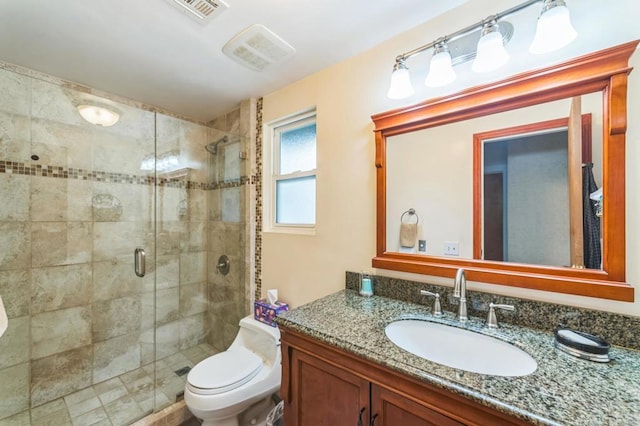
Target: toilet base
x,y
227,422
255,415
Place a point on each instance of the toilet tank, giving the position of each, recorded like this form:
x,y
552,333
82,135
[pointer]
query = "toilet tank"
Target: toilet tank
x,y
259,338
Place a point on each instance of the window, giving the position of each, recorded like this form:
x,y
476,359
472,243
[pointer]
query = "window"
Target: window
x,y
293,189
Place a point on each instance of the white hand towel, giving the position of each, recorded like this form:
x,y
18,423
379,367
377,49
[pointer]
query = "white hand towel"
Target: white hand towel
x,y
408,234
4,322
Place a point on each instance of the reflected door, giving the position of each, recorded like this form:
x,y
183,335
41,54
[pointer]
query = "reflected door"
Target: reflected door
x,y
494,216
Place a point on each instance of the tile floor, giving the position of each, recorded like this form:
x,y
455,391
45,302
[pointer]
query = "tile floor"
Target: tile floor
x,y
119,401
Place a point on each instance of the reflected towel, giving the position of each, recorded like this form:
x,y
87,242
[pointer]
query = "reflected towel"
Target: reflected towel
x,y
4,322
408,234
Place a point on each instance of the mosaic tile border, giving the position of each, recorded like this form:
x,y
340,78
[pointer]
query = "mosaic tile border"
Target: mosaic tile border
x,y
258,201
19,168
244,180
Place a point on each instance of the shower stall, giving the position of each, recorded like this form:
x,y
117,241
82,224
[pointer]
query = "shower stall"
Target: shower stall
x,y
96,335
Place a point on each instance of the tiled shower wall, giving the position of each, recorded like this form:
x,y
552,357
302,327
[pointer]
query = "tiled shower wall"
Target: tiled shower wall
x,y
69,221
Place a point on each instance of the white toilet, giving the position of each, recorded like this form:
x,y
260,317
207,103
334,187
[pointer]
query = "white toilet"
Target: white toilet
x,y
235,386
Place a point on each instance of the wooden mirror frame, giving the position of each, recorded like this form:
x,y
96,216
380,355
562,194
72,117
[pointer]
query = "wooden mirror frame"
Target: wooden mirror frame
x,y
604,71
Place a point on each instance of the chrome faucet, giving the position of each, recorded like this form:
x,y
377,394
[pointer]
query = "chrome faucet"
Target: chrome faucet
x,y
492,320
437,307
460,292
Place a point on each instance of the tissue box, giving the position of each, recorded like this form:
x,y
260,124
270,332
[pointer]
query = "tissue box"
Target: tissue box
x,y
265,312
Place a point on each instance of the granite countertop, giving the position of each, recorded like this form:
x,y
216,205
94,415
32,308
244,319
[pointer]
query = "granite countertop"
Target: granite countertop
x,y
563,390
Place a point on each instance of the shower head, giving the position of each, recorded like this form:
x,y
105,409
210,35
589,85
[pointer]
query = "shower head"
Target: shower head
x,y
212,148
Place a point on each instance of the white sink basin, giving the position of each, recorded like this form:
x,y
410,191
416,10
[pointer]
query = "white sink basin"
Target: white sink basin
x,y
461,349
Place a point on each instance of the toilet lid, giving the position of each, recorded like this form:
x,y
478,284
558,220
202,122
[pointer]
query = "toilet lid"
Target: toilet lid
x,y
224,371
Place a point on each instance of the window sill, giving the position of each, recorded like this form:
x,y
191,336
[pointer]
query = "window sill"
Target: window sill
x,y
291,231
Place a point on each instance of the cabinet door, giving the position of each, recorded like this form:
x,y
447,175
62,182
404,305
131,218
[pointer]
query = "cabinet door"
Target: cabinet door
x,y
325,395
392,409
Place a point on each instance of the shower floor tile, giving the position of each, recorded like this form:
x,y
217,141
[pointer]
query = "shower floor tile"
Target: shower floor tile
x,y
110,390
94,417
119,401
124,410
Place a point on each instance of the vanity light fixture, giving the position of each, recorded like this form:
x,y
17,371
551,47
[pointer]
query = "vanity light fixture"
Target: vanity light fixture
x,y
553,31
98,115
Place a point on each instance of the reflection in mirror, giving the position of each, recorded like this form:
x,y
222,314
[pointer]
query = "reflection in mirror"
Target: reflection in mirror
x,y
430,170
528,213
526,199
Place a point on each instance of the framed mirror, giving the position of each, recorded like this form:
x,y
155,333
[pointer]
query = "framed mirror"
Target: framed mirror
x,y
448,168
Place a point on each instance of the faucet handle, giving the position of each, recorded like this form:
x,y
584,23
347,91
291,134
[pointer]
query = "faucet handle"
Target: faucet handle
x,y
437,308
492,320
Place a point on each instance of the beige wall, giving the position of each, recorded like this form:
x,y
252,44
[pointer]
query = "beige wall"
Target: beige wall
x,y
346,95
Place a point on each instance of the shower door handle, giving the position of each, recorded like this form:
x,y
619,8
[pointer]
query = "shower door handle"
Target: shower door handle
x,y
140,261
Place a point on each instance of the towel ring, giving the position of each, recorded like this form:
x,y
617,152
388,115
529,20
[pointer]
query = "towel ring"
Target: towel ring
x,y
411,212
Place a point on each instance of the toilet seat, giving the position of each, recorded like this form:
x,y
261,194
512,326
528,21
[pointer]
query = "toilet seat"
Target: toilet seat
x,y
224,372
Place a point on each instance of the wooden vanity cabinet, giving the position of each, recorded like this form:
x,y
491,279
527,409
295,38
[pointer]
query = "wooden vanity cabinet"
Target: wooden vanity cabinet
x,y
393,408
325,394
325,386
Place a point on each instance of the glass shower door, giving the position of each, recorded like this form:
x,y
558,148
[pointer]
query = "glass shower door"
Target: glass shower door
x,y
75,205
124,208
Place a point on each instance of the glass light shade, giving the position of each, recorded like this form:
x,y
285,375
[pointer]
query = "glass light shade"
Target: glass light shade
x,y
400,86
554,30
98,115
491,53
440,70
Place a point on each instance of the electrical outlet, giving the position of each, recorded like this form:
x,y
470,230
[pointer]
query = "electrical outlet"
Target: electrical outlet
x,y
422,245
451,248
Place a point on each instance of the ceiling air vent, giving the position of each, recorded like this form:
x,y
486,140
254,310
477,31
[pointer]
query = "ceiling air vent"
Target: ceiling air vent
x,y
257,48
202,11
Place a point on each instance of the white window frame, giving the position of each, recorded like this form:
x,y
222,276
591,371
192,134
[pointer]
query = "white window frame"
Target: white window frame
x,y
273,176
